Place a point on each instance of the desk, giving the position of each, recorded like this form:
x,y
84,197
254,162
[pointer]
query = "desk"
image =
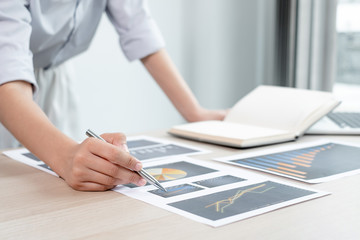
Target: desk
x,y
37,205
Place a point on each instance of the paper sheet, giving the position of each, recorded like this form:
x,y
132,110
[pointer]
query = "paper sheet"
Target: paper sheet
x,y
213,193
313,162
209,192
147,148
144,148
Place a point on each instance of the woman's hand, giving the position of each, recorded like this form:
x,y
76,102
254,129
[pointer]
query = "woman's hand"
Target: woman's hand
x,y
96,165
202,114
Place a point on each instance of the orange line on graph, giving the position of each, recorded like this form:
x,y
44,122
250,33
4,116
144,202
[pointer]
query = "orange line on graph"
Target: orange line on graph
x,y
286,165
287,173
302,164
300,160
308,155
306,158
291,170
230,200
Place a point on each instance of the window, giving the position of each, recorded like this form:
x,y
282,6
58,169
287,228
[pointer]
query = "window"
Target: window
x,y
348,42
347,81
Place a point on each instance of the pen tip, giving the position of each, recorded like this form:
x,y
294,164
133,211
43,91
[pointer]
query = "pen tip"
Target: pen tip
x,y
162,188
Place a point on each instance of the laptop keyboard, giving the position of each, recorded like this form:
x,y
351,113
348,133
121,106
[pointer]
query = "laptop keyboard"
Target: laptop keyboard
x,y
346,119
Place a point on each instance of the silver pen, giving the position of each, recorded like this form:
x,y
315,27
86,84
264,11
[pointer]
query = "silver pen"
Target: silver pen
x,y
148,177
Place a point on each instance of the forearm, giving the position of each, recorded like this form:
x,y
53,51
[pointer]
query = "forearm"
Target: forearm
x,y
27,122
92,165
171,82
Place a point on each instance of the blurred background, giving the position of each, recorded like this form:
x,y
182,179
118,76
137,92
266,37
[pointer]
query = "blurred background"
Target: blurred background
x,y
223,49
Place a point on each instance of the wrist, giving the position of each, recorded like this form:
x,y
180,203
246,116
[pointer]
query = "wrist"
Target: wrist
x,y
202,114
62,157
57,152
193,114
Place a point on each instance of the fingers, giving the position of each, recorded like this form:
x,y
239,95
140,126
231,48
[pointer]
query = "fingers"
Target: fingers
x,y
97,174
97,165
113,154
106,180
91,186
108,173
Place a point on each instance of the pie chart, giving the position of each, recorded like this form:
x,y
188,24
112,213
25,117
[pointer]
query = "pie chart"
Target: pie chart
x,y
166,174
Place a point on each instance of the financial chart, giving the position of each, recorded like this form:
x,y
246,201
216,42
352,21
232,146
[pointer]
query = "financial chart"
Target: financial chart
x,y
307,164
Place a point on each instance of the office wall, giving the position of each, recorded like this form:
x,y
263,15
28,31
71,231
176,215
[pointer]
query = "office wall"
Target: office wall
x,y
222,48
229,48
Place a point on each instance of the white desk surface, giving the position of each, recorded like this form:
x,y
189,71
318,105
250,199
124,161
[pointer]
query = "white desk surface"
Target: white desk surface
x,y
37,205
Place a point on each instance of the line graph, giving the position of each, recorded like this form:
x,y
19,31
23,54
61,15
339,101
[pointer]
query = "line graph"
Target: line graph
x,y
240,200
222,204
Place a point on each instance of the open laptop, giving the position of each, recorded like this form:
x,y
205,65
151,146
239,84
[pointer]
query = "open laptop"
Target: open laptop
x,y
345,118
338,122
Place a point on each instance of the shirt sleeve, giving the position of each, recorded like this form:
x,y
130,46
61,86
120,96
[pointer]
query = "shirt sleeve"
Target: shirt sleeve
x,y
138,33
15,55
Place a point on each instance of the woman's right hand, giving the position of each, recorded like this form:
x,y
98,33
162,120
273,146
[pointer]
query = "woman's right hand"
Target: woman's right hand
x,y
97,165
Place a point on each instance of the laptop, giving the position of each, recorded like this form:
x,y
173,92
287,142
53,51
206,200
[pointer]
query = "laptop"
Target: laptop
x,y
338,122
345,118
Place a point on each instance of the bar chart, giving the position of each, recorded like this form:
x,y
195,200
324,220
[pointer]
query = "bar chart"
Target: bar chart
x,y
307,164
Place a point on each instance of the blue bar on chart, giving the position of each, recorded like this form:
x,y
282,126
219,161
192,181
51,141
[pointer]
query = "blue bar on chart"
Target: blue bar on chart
x,y
307,163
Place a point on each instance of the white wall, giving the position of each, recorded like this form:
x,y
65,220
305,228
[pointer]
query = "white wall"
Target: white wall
x,y
217,45
229,48
116,95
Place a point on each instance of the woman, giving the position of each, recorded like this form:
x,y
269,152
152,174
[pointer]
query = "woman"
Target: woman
x,y
36,39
